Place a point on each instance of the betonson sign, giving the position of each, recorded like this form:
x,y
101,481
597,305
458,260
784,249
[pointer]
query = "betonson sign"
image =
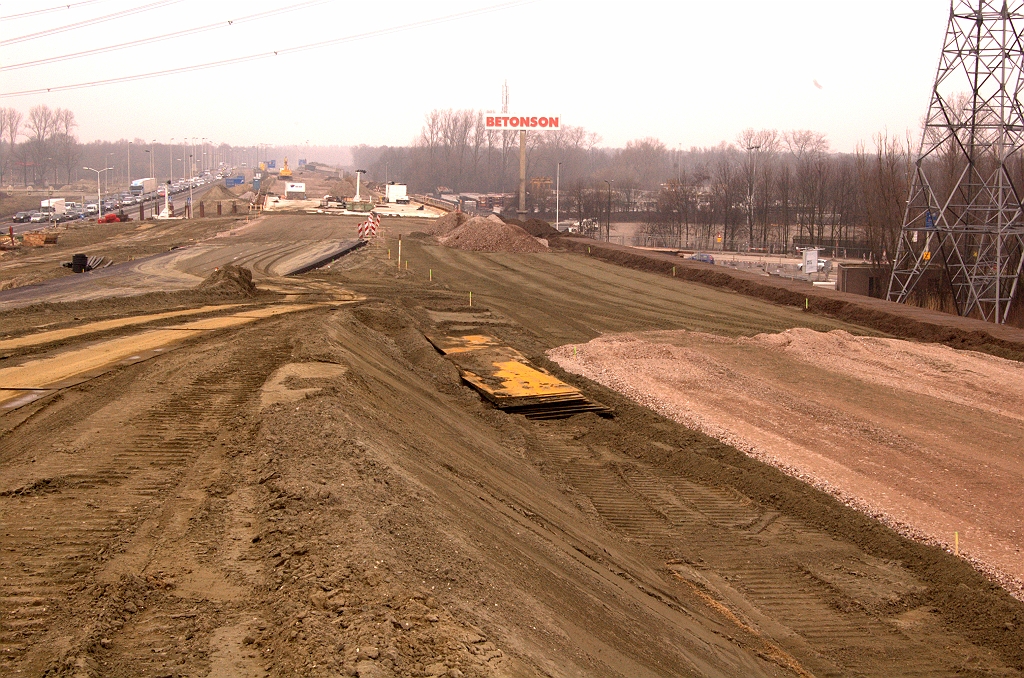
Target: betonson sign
x,y
505,121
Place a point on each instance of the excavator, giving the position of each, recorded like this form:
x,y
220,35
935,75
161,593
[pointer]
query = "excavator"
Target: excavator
x,y
285,173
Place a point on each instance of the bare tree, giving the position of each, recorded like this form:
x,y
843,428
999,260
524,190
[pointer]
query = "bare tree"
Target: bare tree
x,y
64,141
809,150
761,147
13,130
41,122
4,157
884,184
645,161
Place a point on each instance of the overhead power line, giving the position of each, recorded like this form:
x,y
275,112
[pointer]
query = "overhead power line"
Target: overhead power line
x,y
165,36
88,22
35,12
275,53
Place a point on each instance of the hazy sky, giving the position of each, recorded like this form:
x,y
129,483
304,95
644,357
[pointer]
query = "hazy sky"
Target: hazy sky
x,y
690,73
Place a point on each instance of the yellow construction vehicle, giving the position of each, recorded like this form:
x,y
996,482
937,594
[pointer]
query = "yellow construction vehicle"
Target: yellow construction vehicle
x,y
285,173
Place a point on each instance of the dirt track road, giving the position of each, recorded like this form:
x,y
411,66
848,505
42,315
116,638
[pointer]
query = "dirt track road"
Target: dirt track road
x,y
317,493
267,247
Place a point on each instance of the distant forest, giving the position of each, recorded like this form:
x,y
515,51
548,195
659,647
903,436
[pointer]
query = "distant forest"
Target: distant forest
x,y
767,189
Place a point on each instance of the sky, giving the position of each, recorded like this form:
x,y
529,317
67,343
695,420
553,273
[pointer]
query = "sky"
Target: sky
x,y
690,73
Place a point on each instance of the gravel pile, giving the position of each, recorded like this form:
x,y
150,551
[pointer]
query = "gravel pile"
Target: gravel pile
x,y
538,228
491,234
447,224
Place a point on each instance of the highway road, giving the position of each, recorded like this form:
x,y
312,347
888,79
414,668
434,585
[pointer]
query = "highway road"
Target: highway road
x,y
179,200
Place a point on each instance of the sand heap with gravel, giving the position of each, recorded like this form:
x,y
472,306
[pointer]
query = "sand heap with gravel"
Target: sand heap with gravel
x,y
446,224
490,234
229,281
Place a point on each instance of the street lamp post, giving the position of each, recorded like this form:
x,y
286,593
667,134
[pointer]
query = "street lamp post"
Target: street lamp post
x,y
608,229
129,165
558,174
750,192
170,159
192,168
99,197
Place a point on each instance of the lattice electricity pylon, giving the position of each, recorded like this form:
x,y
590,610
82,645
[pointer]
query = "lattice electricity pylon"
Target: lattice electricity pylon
x,y
965,197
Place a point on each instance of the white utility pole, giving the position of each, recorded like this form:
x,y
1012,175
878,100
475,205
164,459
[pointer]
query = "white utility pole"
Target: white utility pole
x,y
358,173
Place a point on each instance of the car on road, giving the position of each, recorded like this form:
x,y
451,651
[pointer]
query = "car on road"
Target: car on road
x,y
706,258
21,217
823,264
39,218
91,208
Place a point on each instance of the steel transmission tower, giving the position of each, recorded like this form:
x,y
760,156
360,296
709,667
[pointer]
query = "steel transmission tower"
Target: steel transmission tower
x,y
965,206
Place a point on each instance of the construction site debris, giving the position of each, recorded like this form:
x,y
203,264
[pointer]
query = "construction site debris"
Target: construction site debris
x,y
39,238
230,280
510,382
491,234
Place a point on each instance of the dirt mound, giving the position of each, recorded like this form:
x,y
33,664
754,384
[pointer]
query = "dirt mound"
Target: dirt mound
x,y
538,228
491,234
219,192
345,188
447,224
879,315
229,281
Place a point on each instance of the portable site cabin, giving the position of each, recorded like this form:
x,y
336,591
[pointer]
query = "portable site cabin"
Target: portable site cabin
x,y
294,191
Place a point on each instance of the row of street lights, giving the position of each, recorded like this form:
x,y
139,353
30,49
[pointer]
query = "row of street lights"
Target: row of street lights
x,y
205,158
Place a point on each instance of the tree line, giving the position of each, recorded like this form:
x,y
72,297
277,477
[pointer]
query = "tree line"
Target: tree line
x,y
765,190
48,146
41,148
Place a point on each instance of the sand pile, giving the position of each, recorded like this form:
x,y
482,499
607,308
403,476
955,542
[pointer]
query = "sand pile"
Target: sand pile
x,y
219,193
229,281
491,234
346,188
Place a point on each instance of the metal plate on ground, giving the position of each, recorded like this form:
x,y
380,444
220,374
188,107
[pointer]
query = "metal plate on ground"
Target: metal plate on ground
x,y
507,379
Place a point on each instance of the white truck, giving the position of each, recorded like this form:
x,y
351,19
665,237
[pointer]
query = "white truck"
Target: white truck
x,y
396,193
143,186
52,207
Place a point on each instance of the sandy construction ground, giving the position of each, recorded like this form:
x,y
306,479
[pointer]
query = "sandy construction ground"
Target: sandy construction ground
x,y
926,437
296,483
